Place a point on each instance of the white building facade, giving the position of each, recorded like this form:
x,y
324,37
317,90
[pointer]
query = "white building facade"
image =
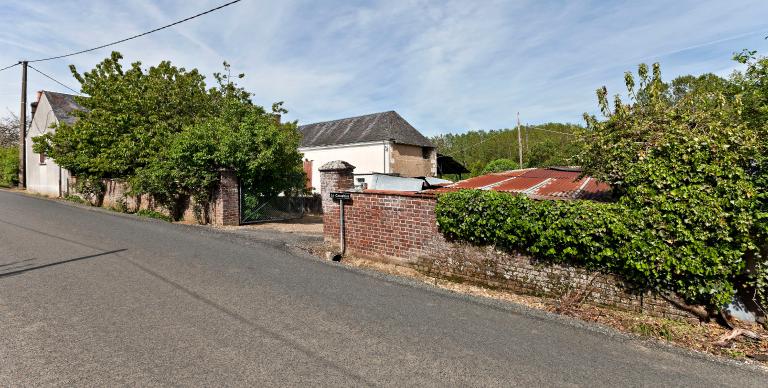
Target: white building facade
x,y
43,175
377,143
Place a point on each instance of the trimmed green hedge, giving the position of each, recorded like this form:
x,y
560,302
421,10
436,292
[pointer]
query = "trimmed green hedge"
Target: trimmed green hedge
x,y
607,237
9,166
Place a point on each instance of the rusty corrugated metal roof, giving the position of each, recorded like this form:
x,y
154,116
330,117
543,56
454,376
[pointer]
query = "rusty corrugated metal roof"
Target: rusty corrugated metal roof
x,y
543,183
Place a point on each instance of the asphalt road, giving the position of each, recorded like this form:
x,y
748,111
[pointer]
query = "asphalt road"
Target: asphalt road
x,y
95,299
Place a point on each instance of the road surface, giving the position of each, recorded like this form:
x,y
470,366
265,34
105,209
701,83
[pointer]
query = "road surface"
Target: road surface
x,y
98,299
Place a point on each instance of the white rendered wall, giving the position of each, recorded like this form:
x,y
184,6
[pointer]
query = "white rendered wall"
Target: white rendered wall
x,y
43,178
366,157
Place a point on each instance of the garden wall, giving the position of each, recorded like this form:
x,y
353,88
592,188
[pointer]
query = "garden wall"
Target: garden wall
x,y
401,227
224,209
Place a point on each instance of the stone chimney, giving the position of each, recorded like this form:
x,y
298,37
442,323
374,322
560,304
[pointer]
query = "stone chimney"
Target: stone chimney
x,y
33,105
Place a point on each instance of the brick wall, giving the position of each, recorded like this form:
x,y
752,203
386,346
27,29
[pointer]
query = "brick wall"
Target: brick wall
x,y
225,205
224,208
401,227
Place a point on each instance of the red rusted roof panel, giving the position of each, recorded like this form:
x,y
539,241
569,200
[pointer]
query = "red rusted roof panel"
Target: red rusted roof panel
x,y
552,184
521,183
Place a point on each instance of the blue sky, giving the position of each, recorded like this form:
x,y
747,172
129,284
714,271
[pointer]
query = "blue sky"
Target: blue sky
x,y
446,66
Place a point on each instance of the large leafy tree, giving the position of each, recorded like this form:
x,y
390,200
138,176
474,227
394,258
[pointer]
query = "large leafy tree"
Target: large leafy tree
x,y
129,118
168,135
683,161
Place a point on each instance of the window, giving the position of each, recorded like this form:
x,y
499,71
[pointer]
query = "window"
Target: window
x,y
42,158
425,152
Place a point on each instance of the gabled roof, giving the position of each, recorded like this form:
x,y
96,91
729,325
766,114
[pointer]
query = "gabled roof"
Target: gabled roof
x,y
62,105
373,127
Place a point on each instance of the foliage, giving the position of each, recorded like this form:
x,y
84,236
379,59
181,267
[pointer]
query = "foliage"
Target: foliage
x,y
167,135
500,165
129,118
606,237
243,137
75,199
687,167
9,166
544,145
154,214
91,188
9,131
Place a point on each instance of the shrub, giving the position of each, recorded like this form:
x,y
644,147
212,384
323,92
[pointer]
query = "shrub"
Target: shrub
x,y
75,199
153,214
608,237
9,166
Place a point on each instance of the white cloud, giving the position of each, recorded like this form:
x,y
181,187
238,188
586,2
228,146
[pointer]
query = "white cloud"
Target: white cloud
x,y
445,66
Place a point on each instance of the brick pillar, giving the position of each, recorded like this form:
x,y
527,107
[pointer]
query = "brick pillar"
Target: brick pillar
x,y
335,176
225,207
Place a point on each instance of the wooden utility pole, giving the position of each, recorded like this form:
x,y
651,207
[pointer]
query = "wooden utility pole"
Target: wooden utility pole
x,y
519,141
23,129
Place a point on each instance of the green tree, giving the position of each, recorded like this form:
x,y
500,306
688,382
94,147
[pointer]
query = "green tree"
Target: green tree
x,y
9,166
129,118
544,145
685,167
500,165
168,135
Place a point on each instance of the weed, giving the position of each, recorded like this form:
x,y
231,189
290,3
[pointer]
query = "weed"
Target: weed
x,y
76,199
153,214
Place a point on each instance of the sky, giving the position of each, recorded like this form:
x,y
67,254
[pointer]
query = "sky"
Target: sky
x,y
445,66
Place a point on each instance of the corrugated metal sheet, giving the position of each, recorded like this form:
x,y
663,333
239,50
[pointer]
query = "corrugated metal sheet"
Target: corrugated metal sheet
x,y
544,183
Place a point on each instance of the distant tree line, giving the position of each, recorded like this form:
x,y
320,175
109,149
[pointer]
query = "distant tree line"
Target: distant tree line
x,y
544,145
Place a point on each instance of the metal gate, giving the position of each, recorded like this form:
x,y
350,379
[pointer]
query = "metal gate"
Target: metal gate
x,y
255,208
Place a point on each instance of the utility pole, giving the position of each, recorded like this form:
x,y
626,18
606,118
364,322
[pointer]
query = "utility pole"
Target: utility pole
x,y
23,129
519,141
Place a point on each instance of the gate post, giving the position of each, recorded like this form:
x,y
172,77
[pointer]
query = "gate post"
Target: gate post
x,y
226,200
335,176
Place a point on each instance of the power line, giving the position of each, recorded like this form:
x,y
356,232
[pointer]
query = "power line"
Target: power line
x,y
8,67
136,36
53,79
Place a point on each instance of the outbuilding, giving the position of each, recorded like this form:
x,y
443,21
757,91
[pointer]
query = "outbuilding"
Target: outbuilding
x,y
375,143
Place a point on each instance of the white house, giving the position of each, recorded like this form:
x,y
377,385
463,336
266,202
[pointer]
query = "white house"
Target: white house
x,y
43,175
375,143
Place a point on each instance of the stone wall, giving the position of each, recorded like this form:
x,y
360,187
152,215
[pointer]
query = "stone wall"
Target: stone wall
x,y
224,209
401,227
410,160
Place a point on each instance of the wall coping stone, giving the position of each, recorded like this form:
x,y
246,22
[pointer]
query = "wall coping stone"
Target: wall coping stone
x,y
336,165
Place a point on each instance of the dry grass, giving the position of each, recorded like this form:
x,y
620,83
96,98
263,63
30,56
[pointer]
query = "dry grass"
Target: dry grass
x,y
696,336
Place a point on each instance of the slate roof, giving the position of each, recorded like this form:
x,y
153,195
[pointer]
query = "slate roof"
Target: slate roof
x,y
63,105
373,127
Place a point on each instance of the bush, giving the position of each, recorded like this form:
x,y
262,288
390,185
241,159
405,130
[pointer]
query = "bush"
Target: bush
x,y
9,166
607,237
76,199
153,214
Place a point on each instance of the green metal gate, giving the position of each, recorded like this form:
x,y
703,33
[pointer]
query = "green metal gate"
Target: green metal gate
x,y
255,208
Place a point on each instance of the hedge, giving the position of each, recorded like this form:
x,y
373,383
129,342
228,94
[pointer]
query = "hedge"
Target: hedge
x,y
606,237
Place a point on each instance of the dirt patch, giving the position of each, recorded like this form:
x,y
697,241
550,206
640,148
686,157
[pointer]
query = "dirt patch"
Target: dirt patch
x,y
702,337
309,224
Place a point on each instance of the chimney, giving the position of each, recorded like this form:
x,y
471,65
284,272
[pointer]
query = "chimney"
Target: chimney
x,y
34,104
